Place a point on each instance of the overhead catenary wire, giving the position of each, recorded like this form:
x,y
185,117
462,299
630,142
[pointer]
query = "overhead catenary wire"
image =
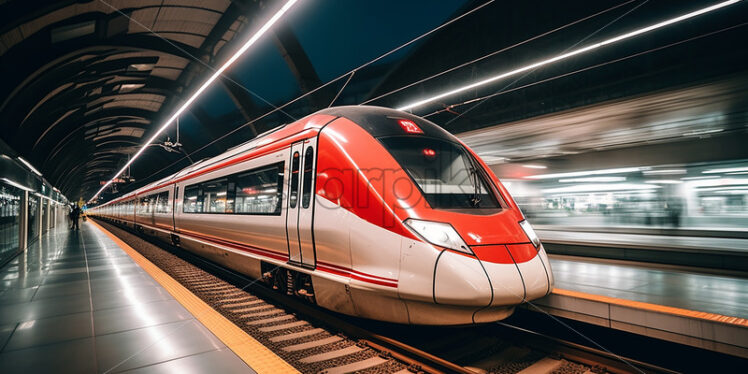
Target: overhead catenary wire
x,y
187,53
451,107
566,50
564,56
350,73
499,51
216,74
347,74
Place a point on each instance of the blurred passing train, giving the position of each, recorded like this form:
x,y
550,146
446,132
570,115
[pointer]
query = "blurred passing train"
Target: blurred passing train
x,y
366,211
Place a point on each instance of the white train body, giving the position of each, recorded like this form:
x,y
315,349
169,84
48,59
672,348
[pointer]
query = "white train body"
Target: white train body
x,y
371,212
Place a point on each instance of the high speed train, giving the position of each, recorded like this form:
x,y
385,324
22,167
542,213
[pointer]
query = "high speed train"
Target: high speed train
x,y
366,211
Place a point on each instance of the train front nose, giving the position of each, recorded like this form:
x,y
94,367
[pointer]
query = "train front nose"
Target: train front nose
x,y
517,272
504,274
530,263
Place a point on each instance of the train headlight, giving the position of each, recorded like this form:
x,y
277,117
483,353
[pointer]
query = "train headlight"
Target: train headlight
x,y
438,233
530,233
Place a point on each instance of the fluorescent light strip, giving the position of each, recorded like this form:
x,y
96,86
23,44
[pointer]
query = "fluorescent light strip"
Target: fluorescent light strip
x,y
30,166
202,88
569,54
664,181
698,178
665,172
601,188
593,180
726,170
588,173
18,185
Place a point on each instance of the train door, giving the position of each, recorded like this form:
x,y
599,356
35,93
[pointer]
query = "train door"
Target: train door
x,y
152,204
301,204
174,195
292,212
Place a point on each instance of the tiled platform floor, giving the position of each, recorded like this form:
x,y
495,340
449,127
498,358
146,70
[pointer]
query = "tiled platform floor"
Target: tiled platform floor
x,y
701,310
74,302
719,294
644,241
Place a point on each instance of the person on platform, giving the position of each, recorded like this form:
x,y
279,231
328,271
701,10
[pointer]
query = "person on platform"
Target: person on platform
x,y
71,208
75,214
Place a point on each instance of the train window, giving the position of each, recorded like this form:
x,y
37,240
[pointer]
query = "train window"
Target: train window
x,y
306,192
143,203
294,194
230,194
162,204
259,191
193,202
446,174
214,196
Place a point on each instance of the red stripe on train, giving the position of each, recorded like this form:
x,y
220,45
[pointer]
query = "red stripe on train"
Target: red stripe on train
x,y
322,266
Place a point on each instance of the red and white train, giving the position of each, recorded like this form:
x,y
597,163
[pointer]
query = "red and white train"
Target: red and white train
x,y
366,211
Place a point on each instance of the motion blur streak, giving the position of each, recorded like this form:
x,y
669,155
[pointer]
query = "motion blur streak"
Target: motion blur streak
x,y
569,54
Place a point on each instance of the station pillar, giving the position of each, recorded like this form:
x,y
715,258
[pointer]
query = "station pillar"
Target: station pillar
x,y
23,221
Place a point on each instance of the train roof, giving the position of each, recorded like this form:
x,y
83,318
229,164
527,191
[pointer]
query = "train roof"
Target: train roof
x,y
380,121
377,121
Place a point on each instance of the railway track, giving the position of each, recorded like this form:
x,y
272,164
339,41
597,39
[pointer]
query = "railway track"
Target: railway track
x,y
315,340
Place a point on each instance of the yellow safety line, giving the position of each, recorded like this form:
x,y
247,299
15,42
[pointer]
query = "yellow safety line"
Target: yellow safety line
x,y
257,356
654,307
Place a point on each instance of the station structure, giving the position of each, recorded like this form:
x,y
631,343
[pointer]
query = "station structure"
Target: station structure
x,y
577,186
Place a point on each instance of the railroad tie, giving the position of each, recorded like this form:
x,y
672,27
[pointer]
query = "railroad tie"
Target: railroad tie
x,y
312,344
250,310
296,335
268,321
544,366
268,312
242,304
331,354
235,299
355,367
284,326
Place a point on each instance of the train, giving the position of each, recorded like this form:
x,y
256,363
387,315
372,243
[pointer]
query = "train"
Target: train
x,y
366,211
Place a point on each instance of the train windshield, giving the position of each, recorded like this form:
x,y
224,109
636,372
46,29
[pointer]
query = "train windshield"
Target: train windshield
x,y
447,176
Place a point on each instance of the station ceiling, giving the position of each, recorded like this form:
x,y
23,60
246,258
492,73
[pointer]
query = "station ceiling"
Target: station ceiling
x,y
86,82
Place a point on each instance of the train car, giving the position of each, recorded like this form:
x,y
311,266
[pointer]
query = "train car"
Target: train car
x,y
365,211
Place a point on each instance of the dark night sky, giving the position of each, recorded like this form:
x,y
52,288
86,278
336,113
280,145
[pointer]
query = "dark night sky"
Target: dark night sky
x,y
337,35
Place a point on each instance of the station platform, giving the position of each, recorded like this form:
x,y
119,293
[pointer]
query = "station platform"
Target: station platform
x,y
708,251
84,302
76,302
701,310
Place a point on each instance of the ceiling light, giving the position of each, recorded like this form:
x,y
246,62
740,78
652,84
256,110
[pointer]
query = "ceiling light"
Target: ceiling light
x,y
14,184
29,166
568,54
698,178
590,172
129,87
664,181
534,166
726,170
201,89
593,180
601,188
140,67
703,132
665,172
